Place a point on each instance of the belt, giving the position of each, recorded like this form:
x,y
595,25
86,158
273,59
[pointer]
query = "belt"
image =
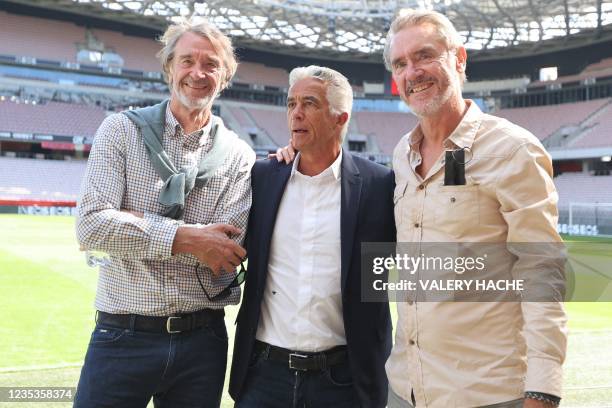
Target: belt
x,y
302,361
160,324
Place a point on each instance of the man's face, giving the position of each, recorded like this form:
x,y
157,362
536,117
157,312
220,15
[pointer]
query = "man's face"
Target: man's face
x,y
428,76
313,127
195,71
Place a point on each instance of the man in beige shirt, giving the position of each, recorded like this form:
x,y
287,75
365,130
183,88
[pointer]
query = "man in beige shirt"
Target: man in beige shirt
x,y
468,354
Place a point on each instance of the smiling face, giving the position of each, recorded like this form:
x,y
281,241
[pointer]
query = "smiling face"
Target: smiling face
x,y
195,71
427,74
313,127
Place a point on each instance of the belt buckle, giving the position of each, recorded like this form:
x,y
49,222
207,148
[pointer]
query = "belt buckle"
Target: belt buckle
x,y
168,325
299,356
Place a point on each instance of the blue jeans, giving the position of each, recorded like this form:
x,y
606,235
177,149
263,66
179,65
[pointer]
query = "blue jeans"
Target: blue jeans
x,y
125,368
272,384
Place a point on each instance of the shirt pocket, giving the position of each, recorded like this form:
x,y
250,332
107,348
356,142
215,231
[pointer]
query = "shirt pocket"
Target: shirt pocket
x,y
456,209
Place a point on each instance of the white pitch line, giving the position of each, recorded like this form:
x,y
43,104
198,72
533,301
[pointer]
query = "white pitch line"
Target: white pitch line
x,y
38,367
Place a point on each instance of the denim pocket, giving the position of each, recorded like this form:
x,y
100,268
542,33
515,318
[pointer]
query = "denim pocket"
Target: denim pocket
x,y
106,335
218,330
340,375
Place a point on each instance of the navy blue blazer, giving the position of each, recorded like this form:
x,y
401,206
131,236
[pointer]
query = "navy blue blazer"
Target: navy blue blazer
x,y
366,216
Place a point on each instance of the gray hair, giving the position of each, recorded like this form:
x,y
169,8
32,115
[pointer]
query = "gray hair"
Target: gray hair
x,y
220,42
339,92
409,17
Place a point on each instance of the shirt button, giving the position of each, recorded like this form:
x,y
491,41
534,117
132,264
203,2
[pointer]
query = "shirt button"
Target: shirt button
x,y
452,199
421,187
411,342
417,225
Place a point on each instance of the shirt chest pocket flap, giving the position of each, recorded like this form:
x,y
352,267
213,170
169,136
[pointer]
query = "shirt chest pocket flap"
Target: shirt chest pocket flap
x,y
456,204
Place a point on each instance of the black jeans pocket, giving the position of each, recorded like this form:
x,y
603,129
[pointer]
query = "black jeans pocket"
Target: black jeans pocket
x,y
340,375
106,335
218,330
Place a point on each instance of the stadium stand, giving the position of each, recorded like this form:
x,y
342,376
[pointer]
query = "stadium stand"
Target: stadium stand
x,y
38,37
50,118
598,66
544,121
598,131
60,41
583,188
253,73
138,53
385,127
72,101
34,179
272,120
601,69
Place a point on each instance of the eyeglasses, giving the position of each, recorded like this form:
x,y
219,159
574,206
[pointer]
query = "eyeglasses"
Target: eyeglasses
x,y
224,294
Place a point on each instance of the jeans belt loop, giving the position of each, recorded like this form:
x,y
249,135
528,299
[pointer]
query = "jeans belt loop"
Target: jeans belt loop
x,y
267,352
321,360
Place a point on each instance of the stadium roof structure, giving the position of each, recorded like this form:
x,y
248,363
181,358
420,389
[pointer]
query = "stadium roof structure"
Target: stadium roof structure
x,y
356,29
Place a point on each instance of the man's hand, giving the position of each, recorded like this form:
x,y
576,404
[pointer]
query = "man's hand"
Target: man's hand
x,y
211,244
286,154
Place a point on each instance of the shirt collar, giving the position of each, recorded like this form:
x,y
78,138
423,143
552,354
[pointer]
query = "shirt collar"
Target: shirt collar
x,y
334,169
464,133
172,126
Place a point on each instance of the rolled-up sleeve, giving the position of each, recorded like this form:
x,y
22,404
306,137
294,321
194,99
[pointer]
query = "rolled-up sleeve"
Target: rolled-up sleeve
x,y
528,199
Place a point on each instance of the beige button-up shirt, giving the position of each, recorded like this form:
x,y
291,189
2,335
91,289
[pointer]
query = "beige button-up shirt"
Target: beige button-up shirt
x,y
460,354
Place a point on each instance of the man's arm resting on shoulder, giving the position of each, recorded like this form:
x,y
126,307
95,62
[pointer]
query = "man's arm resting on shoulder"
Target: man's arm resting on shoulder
x,y
528,198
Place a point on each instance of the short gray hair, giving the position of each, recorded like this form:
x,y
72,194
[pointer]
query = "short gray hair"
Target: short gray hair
x,y
339,92
220,42
409,17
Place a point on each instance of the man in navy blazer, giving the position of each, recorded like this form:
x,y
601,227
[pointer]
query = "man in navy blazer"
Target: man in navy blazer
x,y
304,337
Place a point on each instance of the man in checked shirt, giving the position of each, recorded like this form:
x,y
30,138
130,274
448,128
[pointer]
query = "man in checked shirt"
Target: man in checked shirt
x,y
166,195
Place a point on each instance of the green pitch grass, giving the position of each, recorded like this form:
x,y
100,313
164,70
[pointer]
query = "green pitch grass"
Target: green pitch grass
x,y
46,311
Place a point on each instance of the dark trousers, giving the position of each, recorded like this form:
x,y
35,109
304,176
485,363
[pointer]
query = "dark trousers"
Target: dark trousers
x,y
126,368
272,384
